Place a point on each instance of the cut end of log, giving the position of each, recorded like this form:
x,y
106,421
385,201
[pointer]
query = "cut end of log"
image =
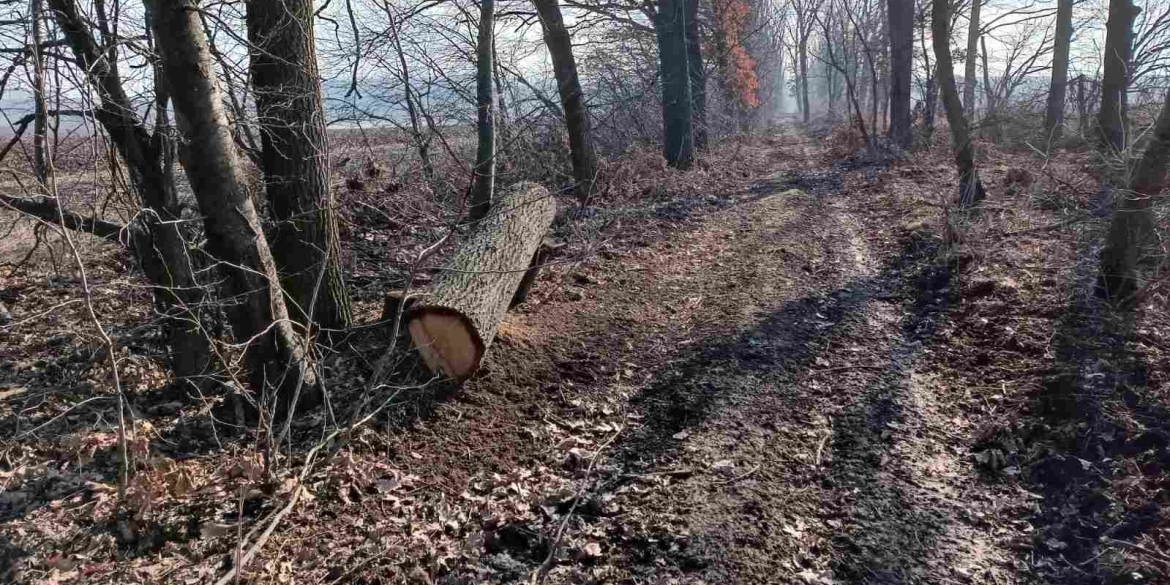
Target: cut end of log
x,y
447,341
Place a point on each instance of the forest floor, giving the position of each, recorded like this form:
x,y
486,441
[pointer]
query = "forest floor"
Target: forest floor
x,y
818,379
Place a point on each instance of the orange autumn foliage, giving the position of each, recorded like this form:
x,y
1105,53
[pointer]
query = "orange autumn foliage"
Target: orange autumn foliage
x,y
730,17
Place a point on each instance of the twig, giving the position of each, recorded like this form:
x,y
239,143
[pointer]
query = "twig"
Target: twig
x,y
107,342
1043,228
235,570
1157,555
844,368
821,445
540,573
737,478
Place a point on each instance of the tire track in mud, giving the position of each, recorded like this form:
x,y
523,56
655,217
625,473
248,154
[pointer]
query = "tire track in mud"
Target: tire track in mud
x,y
800,444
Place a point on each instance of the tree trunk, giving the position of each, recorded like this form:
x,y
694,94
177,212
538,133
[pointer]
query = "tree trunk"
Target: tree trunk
x,y
295,156
930,105
1082,106
970,186
41,152
802,52
972,54
560,47
674,75
698,76
1132,227
1118,55
991,121
158,245
502,119
1054,113
275,353
901,15
485,155
456,324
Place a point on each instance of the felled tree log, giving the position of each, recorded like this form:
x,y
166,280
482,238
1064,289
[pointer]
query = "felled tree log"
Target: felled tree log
x,y
456,324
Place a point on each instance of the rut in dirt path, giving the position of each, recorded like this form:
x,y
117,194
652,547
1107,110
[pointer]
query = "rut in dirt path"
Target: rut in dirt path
x,y
796,442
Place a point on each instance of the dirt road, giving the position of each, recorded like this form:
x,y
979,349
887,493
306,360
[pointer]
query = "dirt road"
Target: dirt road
x,y
737,398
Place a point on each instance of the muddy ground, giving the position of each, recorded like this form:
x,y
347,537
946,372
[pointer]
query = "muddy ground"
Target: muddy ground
x,y
812,380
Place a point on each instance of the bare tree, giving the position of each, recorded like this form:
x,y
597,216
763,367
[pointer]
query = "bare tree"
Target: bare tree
x,y
1054,113
805,21
159,244
970,186
901,19
843,59
41,152
674,75
969,70
560,48
275,353
1111,120
483,182
698,75
296,160
1132,227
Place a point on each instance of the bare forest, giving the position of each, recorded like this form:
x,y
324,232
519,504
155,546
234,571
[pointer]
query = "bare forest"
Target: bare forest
x,y
584,291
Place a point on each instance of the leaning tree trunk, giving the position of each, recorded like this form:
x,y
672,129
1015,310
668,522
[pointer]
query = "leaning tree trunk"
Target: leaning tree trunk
x,y
901,15
456,324
295,160
674,75
275,354
560,47
972,54
1057,89
1132,227
158,245
1118,54
483,183
698,77
970,186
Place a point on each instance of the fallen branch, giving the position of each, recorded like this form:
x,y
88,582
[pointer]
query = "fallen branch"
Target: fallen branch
x,y
49,210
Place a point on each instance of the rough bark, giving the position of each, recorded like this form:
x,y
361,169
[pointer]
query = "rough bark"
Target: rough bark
x,y
698,76
1057,89
275,353
456,324
674,75
1132,227
295,160
483,183
1114,85
40,109
560,47
972,54
970,186
901,19
158,243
